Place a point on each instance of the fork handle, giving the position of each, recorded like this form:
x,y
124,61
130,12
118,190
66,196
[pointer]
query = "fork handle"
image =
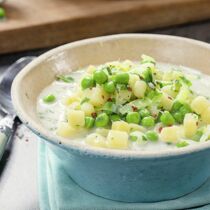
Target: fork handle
x,y
6,131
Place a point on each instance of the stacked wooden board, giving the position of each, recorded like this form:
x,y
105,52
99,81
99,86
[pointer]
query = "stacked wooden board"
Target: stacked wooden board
x,y
33,24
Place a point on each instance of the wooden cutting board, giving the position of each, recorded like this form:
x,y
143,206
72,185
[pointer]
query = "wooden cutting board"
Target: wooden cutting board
x,y
33,24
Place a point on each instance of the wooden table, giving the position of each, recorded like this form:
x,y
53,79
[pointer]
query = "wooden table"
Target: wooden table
x,y
18,179
33,24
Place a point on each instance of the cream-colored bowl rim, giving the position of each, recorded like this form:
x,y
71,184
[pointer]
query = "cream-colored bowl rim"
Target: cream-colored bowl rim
x,y
89,150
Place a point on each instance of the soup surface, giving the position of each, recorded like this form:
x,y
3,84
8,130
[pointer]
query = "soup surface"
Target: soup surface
x,y
141,105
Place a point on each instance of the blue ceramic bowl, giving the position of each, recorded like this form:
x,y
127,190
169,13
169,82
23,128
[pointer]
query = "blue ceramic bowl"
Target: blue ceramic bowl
x,y
122,175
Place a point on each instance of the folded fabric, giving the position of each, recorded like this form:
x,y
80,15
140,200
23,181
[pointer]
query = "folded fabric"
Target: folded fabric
x,y
57,191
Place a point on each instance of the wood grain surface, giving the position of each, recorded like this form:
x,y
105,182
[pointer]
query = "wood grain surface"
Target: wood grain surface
x,y
33,24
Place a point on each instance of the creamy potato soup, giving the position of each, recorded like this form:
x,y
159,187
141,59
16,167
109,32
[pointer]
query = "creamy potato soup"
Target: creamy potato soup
x,y
140,105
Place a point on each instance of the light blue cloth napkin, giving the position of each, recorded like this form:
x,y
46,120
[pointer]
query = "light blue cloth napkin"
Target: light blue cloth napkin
x,y
57,191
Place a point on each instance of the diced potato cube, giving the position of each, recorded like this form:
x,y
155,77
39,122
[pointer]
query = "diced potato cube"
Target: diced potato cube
x,y
132,79
184,95
126,65
117,139
67,131
74,105
170,134
97,96
87,108
71,99
190,124
96,140
158,74
139,88
166,101
168,90
199,104
121,126
167,76
135,127
91,69
177,74
76,118
102,131
205,116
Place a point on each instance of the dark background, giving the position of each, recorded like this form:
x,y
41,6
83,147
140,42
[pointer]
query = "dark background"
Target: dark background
x,y
18,171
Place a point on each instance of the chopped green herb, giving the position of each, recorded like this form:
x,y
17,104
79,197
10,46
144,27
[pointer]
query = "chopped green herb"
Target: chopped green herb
x,y
144,113
110,107
186,81
65,78
147,75
182,144
147,59
197,135
84,100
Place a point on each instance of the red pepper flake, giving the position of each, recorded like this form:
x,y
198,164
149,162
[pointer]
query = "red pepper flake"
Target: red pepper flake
x,y
160,129
134,108
109,99
197,123
169,97
94,114
59,142
129,89
26,140
154,115
103,96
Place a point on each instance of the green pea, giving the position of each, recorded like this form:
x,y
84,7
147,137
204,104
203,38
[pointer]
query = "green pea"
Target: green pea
x,y
49,98
133,117
182,144
148,121
102,120
115,117
151,135
2,13
87,82
178,116
176,106
122,78
167,119
109,87
133,138
144,113
185,109
89,122
100,77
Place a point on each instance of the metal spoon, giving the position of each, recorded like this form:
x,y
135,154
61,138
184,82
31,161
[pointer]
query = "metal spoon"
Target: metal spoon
x,y
7,124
